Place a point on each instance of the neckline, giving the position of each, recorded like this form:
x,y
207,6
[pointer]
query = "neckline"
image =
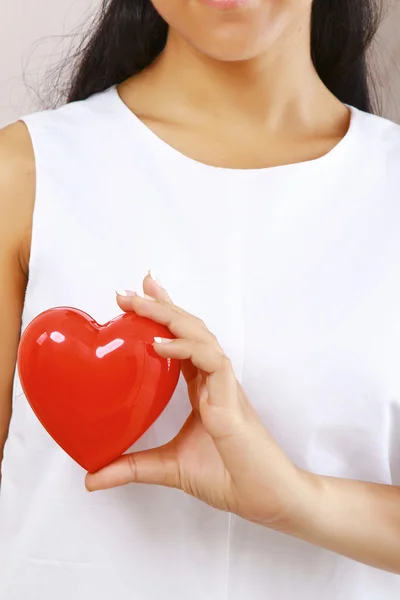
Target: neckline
x,y
188,162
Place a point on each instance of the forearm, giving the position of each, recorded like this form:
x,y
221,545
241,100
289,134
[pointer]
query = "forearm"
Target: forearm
x,y
358,520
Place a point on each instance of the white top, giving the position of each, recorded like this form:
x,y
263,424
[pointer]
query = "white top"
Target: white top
x,y
296,269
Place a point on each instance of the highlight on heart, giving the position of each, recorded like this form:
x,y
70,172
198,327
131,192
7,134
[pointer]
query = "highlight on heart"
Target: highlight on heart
x,y
96,389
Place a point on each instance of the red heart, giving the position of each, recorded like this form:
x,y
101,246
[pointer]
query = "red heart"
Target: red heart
x,y
95,388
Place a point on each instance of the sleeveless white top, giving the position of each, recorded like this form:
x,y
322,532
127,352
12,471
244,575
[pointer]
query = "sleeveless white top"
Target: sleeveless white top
x,y
296,269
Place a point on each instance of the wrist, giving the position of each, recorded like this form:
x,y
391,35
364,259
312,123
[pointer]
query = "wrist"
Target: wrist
x,y
318,514
299,504
308,502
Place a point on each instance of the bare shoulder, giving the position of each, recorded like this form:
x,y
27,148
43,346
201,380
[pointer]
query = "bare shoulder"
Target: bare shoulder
x,y
17,161
17,188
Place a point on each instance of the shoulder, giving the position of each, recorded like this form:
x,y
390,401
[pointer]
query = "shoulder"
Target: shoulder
x,y
17,183
380,139
75,119
16,155
75,134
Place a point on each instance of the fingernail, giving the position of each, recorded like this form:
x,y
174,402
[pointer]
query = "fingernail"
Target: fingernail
x,y
125,293
146,297
160,340
153,276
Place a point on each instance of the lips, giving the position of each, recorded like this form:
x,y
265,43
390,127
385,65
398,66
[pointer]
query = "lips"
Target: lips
x,y
225,4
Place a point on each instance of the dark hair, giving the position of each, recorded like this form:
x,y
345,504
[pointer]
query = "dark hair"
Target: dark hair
x,y
129,34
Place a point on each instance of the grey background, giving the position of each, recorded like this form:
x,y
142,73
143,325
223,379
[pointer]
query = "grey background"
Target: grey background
x,y
36,34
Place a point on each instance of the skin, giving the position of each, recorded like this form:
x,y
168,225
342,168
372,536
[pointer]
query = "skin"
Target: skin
x,y
210,96
234,89
17,189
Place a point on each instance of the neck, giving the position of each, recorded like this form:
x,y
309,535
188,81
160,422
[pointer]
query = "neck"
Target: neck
x,y
281,84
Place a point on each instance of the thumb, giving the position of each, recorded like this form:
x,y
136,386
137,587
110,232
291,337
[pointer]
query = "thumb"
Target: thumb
x,y
157,467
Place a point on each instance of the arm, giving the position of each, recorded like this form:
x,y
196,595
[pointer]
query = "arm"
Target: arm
x,y
358,520
17,188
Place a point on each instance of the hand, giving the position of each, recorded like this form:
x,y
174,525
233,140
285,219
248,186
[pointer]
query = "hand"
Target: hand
x,y
223,455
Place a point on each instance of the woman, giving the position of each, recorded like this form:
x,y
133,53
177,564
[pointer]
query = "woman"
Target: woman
x,y
238,163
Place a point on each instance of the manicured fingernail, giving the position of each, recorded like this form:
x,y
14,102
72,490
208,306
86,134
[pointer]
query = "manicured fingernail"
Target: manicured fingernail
x,y
160,340
125,293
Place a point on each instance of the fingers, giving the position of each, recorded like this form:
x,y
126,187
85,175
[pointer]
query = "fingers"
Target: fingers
x,y
152,288
209,359
222,413
180,323
154,467
204,356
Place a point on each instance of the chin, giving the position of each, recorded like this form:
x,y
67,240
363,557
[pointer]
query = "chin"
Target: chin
x,y
225,35
229,50
242,38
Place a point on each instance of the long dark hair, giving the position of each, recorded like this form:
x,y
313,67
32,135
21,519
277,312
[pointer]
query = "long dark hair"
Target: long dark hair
x,y
129,34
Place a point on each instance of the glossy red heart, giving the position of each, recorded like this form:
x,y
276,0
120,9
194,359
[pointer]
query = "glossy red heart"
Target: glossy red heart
x,y
95,388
